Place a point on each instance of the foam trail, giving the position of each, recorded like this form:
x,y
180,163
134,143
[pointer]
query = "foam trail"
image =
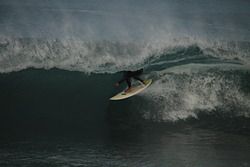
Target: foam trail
x,y
182,92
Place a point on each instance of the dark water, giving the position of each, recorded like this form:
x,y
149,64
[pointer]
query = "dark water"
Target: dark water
x,y
59,61
49,118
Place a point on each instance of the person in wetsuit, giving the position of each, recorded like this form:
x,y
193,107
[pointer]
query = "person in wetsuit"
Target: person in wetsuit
x,y
127,75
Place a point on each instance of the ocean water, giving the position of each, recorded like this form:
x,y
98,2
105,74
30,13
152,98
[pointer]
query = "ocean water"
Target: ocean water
x,y
59,60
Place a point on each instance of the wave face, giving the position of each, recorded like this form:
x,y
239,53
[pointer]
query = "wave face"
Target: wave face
x,y
198,59
192,82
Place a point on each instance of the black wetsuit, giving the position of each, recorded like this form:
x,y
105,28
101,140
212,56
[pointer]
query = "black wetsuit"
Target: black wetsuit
x,y
127,75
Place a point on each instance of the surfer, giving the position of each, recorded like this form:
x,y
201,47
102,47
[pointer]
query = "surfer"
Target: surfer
x,y
127,75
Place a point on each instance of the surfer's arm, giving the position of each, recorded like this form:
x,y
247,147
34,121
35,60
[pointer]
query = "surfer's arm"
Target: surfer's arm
x,y
125,78
121,81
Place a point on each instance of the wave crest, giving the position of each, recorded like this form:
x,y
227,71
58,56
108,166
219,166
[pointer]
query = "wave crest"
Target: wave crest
x,y
112,56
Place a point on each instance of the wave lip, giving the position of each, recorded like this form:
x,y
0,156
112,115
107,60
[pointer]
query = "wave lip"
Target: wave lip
x,y
96,56
112,56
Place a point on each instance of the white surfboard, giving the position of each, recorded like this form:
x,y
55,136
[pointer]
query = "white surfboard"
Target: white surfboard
x,y
134,91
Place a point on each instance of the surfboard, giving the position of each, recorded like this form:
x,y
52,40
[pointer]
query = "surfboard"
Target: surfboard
x,y
134,91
